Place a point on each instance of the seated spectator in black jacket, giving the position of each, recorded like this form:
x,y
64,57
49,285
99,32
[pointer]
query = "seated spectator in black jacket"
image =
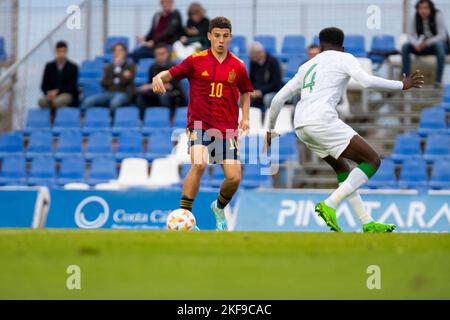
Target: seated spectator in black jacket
x,y
166,28
174,95
117,81
60,81
195,36
265,74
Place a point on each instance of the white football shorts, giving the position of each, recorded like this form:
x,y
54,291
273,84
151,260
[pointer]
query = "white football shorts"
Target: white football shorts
x,y
326,139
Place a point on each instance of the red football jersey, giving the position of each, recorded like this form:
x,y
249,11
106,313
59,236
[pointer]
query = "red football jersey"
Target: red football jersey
x,y
213,89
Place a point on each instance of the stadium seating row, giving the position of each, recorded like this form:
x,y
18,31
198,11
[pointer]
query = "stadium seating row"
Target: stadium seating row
x,y
45,171
295,45
413,175
408,146
127,118
129,144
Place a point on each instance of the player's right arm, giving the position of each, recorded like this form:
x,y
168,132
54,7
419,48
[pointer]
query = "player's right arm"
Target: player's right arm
x,y
286,93
178,72
159,80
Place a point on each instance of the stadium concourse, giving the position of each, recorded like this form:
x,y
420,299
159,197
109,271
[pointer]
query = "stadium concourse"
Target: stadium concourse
x,y
90,148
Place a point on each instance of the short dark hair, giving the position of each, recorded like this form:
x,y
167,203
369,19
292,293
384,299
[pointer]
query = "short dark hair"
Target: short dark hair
x,y
333,36
313,46
161,46
120,44
219,22
61,44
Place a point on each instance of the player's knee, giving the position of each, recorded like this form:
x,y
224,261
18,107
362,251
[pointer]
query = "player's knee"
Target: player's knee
x,y
198,168
374,161
234,179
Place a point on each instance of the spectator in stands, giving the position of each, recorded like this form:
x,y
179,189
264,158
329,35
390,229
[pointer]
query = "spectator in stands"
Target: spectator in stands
x,y
427,36
313,50
166,28
59,82
173,96
195,35
118,81
265,74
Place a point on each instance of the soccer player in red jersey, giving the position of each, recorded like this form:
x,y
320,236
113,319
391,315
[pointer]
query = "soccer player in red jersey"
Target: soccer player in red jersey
x,y
218,80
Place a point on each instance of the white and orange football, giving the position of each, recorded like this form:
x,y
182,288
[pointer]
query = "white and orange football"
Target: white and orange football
x,y
181,220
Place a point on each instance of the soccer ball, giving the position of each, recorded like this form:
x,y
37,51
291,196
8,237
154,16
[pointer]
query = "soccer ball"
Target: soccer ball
x,y
181,220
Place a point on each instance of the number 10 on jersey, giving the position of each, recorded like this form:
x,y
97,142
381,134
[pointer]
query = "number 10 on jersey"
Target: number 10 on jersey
x,y
216,90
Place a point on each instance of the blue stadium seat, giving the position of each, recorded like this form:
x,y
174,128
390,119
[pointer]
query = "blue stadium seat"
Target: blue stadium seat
x,y
3,54
356,45
156,118
66,119
97,119
432,120
126,119
413,174
42,172
160,145
13,171
382,45
112,40
238,45
269,43
102,170
384,178
437,147
446,94
37,120
316,41
440,176
253,178
40,143
69,143
293,46
130,145
11,143
99,144
90,70
142,71
72,170
180,119
406,146
287,148
293,63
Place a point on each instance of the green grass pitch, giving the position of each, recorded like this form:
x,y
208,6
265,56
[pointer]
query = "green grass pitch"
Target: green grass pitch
x,y
213,265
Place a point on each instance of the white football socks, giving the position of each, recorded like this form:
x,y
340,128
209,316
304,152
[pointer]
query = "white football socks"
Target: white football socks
x,y
355,179
358,206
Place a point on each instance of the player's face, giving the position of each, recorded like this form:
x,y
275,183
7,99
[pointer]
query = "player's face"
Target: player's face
x,y
61,54
424,10
220,39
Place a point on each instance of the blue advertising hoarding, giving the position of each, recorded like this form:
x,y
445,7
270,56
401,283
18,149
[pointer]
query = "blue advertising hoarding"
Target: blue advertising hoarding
x,y
293,210
18,208
129,209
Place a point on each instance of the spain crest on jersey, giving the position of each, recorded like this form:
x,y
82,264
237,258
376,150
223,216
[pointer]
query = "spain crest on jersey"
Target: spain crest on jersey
x,y
231,76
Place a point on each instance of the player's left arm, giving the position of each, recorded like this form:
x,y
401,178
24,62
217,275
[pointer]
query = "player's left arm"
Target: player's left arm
x,y
353,68
287,92
245,88
244,125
